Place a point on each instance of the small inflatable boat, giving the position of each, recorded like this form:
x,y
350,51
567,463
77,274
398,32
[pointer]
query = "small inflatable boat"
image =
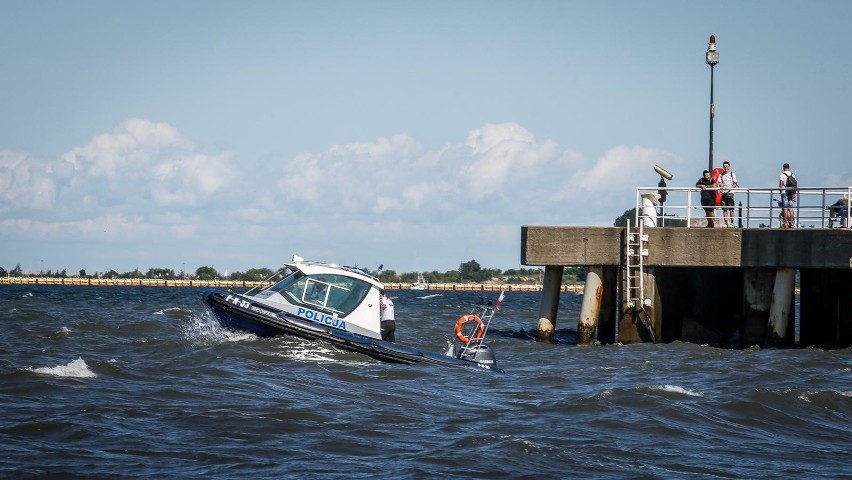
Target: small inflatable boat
x,y
340,305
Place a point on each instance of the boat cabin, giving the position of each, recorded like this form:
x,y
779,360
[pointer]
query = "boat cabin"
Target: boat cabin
x,y
341,292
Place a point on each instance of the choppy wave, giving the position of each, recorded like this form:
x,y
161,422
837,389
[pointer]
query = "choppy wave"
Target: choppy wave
x,y
167,311
427,297
202,329
172,394
680,390
74,369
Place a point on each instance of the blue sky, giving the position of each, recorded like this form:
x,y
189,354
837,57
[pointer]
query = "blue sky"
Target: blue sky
x,y
418,135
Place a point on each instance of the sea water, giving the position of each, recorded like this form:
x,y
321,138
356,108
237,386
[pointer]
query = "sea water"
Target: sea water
x,y
141,382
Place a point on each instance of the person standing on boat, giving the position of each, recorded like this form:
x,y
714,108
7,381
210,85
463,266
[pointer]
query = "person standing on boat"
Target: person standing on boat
x,y
388,322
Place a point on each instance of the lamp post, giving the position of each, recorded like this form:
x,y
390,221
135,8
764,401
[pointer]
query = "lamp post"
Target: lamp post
x,y
712,60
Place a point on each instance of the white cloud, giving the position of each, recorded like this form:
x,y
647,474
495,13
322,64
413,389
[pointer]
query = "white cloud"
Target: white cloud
x,y
302,178
138,182
355,177
140,163
24,182
393,176
132,146
188,180
397,146
500,152
144,181
620,168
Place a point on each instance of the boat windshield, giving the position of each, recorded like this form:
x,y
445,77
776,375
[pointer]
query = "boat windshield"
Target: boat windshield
x,y
328,292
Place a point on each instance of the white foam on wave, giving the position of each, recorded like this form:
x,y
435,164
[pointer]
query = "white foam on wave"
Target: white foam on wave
x,y
74,369
676,389
424,297
205,329
809,395
319,355
307,350
167,310
303,350
527,444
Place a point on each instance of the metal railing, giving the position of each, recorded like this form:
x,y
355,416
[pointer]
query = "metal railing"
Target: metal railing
x,y
817,207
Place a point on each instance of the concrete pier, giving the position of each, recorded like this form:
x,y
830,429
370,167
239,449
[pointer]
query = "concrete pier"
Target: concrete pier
x,y
550,302
727,287
591,307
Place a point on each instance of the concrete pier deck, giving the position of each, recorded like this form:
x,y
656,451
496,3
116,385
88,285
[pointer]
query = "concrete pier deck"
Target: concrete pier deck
x,y
690,247
709,285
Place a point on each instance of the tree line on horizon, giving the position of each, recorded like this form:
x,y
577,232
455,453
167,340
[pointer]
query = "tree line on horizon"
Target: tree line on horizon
x,y
468,272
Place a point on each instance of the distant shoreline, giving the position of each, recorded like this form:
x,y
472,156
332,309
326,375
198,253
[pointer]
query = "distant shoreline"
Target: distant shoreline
x,y
153,282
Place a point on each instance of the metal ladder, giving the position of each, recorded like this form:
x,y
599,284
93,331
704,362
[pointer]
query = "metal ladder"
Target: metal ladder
x,y
634,260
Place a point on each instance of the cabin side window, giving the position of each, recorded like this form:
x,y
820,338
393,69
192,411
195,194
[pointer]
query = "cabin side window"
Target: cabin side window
x,y
326,292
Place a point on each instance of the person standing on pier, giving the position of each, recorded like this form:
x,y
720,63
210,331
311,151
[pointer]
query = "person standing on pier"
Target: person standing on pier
x,y
727,181
788,184
708,196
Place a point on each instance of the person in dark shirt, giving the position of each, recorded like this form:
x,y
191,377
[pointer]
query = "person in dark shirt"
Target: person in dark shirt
x,y
838,211
708,196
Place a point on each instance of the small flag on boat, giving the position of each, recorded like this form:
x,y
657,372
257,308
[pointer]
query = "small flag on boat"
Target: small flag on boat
x,y
499,299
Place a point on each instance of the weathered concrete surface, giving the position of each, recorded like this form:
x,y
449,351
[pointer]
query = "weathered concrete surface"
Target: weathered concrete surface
x,y
711,285
801,248
590,309
566,246
610,305
781,308
549,304
690,247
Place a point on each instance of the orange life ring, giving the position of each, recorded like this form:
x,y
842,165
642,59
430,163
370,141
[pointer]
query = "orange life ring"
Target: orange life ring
x,y
478,333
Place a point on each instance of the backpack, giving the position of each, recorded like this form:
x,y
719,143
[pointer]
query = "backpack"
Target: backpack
x,y
791,184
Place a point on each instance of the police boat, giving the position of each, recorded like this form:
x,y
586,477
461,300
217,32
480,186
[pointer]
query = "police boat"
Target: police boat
x,y
340,305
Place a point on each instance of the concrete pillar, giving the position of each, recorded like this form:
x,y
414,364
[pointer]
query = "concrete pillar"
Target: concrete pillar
x,y
605,328
644,322
655,311
649,212
591,306
781,308
757,295
550,289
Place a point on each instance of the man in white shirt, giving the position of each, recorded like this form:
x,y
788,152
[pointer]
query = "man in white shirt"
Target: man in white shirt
x,y
788,196
727,181
388,324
